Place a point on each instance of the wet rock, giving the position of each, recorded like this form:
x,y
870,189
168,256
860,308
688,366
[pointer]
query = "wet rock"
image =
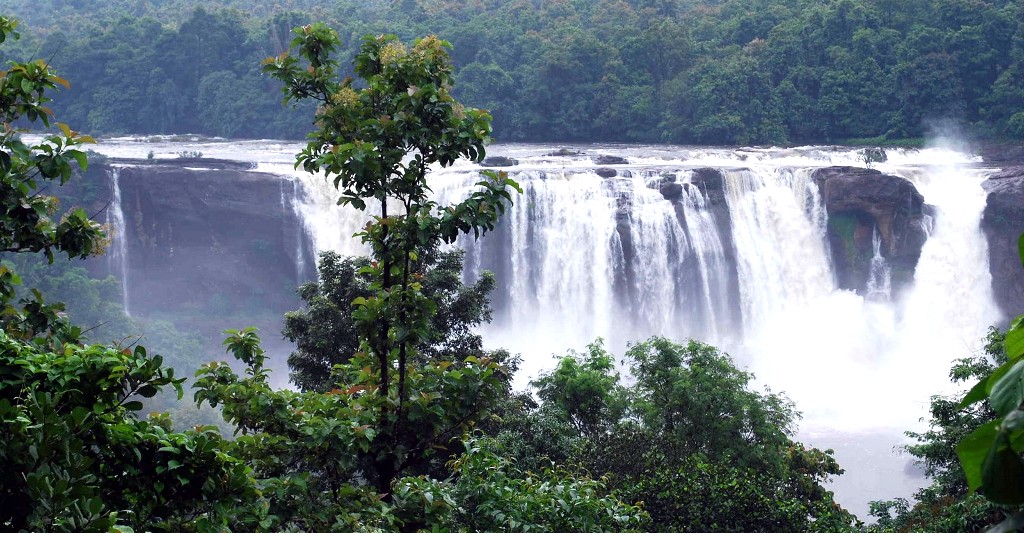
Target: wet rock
x,y
213,238
1003,223
671,190
707,179
859,200
874,155
610,160
606,172
499,161
563,152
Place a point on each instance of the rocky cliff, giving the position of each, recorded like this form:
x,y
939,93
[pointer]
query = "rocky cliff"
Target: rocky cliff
x,y
1003,223
861,200
210,245
217,237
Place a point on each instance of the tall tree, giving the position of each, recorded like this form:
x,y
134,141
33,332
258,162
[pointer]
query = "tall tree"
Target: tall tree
x,y
356,457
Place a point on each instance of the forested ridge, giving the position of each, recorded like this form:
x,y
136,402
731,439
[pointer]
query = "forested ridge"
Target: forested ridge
x,y
729,72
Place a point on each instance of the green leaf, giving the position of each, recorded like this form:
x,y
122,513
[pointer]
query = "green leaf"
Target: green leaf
x,y
83,160
977,393
1014,342
1003,473
983,388
973,449
1008,391
133,406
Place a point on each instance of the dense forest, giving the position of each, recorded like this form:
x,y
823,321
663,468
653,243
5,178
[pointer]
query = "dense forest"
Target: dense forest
x,y
722,72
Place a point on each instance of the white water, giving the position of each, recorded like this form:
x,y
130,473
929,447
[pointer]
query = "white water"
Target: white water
x,y
117,257
860,369
290,203
779,238
880,277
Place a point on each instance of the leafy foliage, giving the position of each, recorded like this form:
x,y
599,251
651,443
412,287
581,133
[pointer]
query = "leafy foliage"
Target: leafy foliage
x,y
323,456
75,451
991,454
376,144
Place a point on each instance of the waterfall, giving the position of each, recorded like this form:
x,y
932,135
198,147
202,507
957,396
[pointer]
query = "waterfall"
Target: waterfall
x,y
879,287
291,204
744,265
117,256
711,262
300,236
314,201
779,239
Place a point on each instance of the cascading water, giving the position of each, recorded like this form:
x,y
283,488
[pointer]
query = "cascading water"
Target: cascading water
x,y
290,204
314,200
711,262
117,257
879,286
779,240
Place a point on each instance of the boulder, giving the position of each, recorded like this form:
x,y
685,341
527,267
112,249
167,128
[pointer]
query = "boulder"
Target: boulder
x,y
1002,154
708,179
671,190
1003,223
606,172
564,152
875,155
499,161
860,201
711,183
610,160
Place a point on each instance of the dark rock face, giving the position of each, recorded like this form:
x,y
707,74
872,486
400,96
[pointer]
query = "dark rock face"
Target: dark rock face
x,y
671,190
564,152
605,172
859,200
1004,155
708,179
610,160
875,155
499,161
211,239
1003,223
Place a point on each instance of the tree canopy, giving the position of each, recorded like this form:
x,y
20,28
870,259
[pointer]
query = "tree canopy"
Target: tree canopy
x,y
725,72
